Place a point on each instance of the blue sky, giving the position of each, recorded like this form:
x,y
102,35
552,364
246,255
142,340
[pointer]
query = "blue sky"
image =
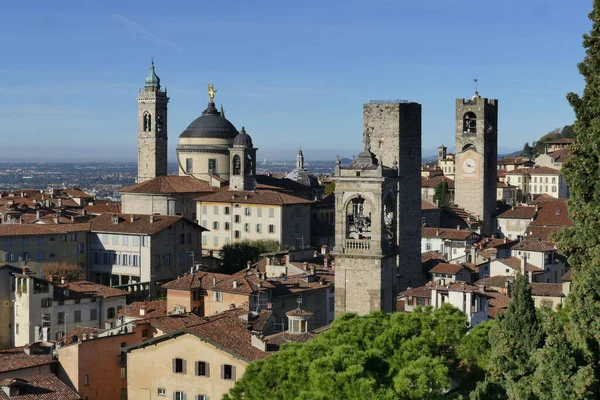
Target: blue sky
x,y
293,73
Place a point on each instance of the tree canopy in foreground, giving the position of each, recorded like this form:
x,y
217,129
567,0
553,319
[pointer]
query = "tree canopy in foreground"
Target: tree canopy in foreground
x,y
379,356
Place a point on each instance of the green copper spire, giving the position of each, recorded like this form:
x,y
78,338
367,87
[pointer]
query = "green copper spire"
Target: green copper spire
x,y
152,80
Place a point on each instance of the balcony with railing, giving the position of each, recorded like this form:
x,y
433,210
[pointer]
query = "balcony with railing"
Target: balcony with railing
x,y
357,245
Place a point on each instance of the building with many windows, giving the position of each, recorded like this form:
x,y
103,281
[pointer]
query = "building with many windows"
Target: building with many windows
x,y
254,215
132,248
43,310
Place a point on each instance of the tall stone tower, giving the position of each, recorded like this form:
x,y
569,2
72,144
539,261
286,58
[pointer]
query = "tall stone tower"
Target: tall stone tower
x,y
152,129
477,157
394,129
242,158
377,205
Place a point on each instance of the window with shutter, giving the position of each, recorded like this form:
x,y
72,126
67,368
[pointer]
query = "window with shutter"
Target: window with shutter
x,y
202,368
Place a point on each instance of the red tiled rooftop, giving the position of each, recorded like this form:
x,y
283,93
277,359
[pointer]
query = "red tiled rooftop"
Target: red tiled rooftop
x,y
39,387
445,268
15,359
519,212
446,233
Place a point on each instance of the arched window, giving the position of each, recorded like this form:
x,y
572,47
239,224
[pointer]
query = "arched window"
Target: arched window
x,y
248,166
159,123
147,122
469,124
236,165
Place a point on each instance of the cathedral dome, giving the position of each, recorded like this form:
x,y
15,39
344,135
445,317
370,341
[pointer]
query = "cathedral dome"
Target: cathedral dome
x,y
242,139
211,124
304,177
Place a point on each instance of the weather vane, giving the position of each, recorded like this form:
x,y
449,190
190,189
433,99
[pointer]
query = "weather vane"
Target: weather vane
x,y
211,92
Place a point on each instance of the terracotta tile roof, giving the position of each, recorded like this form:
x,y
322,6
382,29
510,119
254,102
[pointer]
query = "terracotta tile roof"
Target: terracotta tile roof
x,y
501,173
519,212
170,184
471,267
514,161
15,358
229,332
298,312
76,333
534,171
433,182
39,387
493,243
568,276
533,244
278,339
428,205
140,225
541,232
154,308
421,291
103,208
171,323
280,184
515,263
447,233
540,198
497,303
245,284
432,255
498,281
445,268
504,185
546,289
42,229
268,197
561,141
294,284
560,156
466,216
553,213
85,289
76,193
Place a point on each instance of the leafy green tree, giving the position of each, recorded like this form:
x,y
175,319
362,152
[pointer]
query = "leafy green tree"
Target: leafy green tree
x,y
568,132
442,194
235,256
581,243
514,340
377,356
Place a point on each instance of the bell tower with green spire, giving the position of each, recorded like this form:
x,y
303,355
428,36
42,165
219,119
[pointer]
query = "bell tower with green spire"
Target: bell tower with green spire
x,y
152,128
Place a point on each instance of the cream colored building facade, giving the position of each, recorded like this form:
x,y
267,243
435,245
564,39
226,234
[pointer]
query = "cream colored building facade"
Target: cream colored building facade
x,y
264,215
539,180
170,366
44,244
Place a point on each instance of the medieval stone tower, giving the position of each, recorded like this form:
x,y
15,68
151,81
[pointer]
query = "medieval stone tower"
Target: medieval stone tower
x,y
377,205
477,157
152,129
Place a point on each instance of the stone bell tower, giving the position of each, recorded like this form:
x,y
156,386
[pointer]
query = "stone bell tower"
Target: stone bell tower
x,y
377,208
242,159
477,157
152,129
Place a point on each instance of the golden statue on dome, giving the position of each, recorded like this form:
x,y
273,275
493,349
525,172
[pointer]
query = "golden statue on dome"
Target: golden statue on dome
x,y
211,92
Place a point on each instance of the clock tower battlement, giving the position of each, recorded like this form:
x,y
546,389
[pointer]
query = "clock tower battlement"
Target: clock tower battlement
x,y
477,157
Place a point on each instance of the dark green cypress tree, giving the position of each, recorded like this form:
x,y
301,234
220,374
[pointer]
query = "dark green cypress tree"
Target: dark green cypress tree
x,y
514,339
442,194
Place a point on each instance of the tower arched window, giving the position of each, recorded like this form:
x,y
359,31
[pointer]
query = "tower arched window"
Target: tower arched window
x,y
159,123
147,122
248,165
236,165
469,124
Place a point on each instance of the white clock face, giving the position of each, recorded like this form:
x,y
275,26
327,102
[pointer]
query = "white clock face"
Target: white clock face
x,y
469,165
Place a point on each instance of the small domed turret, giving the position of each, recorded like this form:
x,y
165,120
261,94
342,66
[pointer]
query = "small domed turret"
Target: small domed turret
x,y
152,80
242,139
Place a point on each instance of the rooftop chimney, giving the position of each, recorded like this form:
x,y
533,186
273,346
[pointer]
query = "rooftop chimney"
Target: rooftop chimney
x,y
63,280
131,218
437,232
315,254
152,219
235,284
214,280
249,265
305,265
143,311
324,249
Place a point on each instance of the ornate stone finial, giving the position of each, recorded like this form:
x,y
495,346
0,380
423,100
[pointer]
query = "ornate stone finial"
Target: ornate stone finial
x,y
211,92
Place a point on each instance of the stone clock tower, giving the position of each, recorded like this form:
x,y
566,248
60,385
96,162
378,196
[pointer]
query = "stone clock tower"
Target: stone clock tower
x,y
477,157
